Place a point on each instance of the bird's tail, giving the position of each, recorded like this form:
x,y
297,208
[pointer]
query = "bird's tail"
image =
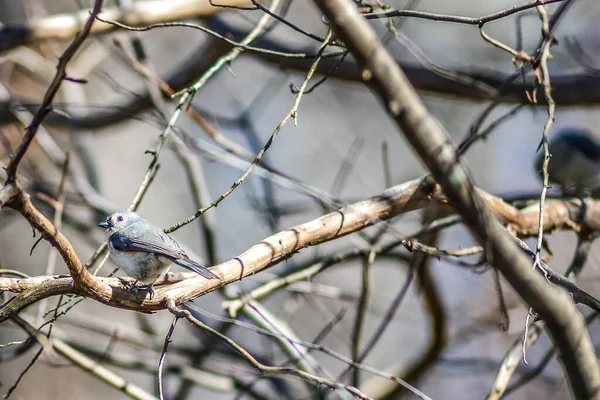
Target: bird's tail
x,y
195,267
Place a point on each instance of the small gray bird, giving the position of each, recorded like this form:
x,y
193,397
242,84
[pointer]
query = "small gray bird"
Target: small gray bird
x,y
143,251
574,162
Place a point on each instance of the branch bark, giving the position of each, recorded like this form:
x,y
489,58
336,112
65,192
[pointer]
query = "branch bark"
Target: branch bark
x,y
568,214
66,26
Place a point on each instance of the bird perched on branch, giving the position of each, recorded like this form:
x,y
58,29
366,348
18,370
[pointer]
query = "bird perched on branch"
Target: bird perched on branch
x,y
574,162
143,251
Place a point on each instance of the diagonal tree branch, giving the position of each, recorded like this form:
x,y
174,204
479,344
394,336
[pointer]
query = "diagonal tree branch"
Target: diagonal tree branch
x,y
566,214
433,144
66,26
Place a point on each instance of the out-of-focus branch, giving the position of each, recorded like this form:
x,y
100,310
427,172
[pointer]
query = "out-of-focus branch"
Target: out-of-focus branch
x,y
55,347
66,26
100,371
433,303
435,147
287,340
59,206
567,90
293,113
167,90
419,268
265,368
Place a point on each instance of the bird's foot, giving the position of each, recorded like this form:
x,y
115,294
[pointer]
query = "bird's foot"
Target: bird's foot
x,y
135,289
149,289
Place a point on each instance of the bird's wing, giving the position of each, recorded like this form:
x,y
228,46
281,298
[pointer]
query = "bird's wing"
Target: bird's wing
x,y
194,266
140,238
155,241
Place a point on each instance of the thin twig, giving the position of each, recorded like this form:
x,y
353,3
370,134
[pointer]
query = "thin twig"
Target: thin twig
x,y
497,43
543,363
413,245
58,212
320,348
232,55
293,113
534,330
240,46
268,369
361,311
22,374
479,21
163,356
46,106
545,55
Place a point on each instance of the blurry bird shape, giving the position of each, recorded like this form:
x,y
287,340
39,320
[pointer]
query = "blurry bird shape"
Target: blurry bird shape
x,y
574,162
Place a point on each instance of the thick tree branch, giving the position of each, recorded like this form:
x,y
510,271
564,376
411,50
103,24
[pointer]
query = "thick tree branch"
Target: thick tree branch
x,y
66,26
417,194
402,198
479,21
435,147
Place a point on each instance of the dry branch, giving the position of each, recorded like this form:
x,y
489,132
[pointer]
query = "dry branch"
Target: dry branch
x,y
569,214
66,26
485,84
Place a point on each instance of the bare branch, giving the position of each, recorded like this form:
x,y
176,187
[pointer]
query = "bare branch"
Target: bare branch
x,y
479,21
568,214
264,368
66,26
163,356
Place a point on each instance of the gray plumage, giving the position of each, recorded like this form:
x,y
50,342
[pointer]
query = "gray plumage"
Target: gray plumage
x,y
143,251
574,162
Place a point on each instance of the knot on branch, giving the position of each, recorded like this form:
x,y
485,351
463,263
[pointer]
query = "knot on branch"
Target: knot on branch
x,y
8,193
172,307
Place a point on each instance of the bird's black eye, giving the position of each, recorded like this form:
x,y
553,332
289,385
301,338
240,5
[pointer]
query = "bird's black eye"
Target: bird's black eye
x,y
120,218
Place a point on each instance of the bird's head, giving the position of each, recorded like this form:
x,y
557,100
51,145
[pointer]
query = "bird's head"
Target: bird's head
x,y
119,220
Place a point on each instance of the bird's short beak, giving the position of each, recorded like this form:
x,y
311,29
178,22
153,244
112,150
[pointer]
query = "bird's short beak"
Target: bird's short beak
x,y
103,224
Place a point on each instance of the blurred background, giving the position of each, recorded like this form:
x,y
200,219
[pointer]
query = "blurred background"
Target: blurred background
x,y
445,336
